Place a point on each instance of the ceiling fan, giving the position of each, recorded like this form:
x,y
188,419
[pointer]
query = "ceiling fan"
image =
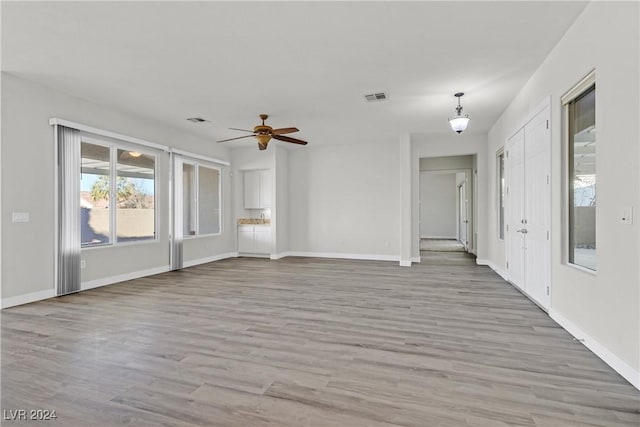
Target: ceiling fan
x,y
263,133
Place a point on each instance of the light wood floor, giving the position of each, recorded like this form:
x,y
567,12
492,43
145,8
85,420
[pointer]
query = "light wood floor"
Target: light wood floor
x,y
307,342
441,245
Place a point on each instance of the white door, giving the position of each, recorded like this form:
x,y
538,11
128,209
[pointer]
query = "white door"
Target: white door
x,y
537,209
463,215
527,209
514,209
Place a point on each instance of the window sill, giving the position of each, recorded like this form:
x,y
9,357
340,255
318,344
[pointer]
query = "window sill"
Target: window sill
x,y
189,237
121,244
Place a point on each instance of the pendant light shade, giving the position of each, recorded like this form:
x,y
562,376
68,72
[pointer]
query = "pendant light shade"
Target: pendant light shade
x,y
459,122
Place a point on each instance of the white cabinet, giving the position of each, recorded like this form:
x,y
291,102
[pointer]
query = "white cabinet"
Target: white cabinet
x,y
265,189
254,239
257,189
262,238
245,238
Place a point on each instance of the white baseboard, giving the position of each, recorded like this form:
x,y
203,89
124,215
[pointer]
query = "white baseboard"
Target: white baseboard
x,y
199,261
280,255
340,255
250,255
416,259
27,298
91,284
500,272
405,262
618,365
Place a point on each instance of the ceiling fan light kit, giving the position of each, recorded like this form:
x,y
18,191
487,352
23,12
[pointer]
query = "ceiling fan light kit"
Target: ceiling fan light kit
x,y
264,133
459,122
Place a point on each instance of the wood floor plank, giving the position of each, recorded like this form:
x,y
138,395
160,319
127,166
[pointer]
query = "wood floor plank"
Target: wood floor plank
x,y
307,342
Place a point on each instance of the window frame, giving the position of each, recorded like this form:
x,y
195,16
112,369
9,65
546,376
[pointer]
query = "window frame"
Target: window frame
x,y
585,85
196,164
113,174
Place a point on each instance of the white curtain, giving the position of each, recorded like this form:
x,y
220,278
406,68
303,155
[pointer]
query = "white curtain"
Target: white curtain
x,y
68,280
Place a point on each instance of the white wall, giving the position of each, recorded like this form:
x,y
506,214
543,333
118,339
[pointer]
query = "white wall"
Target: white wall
x,y
446,163
603,308
438,197
28,186
281,186
344,199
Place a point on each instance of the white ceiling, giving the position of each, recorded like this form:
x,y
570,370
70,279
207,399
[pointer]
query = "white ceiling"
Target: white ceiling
x,y
307,64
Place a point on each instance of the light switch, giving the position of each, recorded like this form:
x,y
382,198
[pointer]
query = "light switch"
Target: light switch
x,y
626,215
20,217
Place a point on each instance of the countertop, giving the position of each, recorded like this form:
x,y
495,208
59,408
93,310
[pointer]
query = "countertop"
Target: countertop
x,y
253,221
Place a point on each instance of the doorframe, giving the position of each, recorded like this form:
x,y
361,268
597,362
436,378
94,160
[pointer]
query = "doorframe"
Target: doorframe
x,y
412,148
468,173
176,237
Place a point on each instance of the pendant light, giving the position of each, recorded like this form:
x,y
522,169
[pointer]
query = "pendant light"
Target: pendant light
x,y
459,123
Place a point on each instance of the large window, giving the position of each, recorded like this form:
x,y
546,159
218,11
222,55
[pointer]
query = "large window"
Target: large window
x,y
117,195
95,192
501,194
200,200
581,127
135,196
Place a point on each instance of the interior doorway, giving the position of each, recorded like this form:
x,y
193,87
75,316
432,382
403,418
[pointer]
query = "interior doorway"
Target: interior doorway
x,y
445,202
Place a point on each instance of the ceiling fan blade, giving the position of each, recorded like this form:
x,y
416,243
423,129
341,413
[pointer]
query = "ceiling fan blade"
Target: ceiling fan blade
x,y
240,137
243,130
289,139
283,130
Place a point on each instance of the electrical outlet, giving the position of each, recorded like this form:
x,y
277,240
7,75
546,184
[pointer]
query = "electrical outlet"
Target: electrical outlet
x,y
20,217
83,264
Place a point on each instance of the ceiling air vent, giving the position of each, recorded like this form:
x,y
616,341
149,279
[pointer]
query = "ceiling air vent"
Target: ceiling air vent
x,y
196,119
372,97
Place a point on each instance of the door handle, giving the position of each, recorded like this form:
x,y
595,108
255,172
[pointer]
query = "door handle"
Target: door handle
x,y
523,231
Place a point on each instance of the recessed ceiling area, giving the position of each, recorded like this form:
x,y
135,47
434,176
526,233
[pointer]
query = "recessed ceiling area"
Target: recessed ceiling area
x,y
303,63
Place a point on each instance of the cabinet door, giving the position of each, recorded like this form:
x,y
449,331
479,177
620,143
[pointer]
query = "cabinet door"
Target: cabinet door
x,y
246,242
262,240
265,189
252,190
